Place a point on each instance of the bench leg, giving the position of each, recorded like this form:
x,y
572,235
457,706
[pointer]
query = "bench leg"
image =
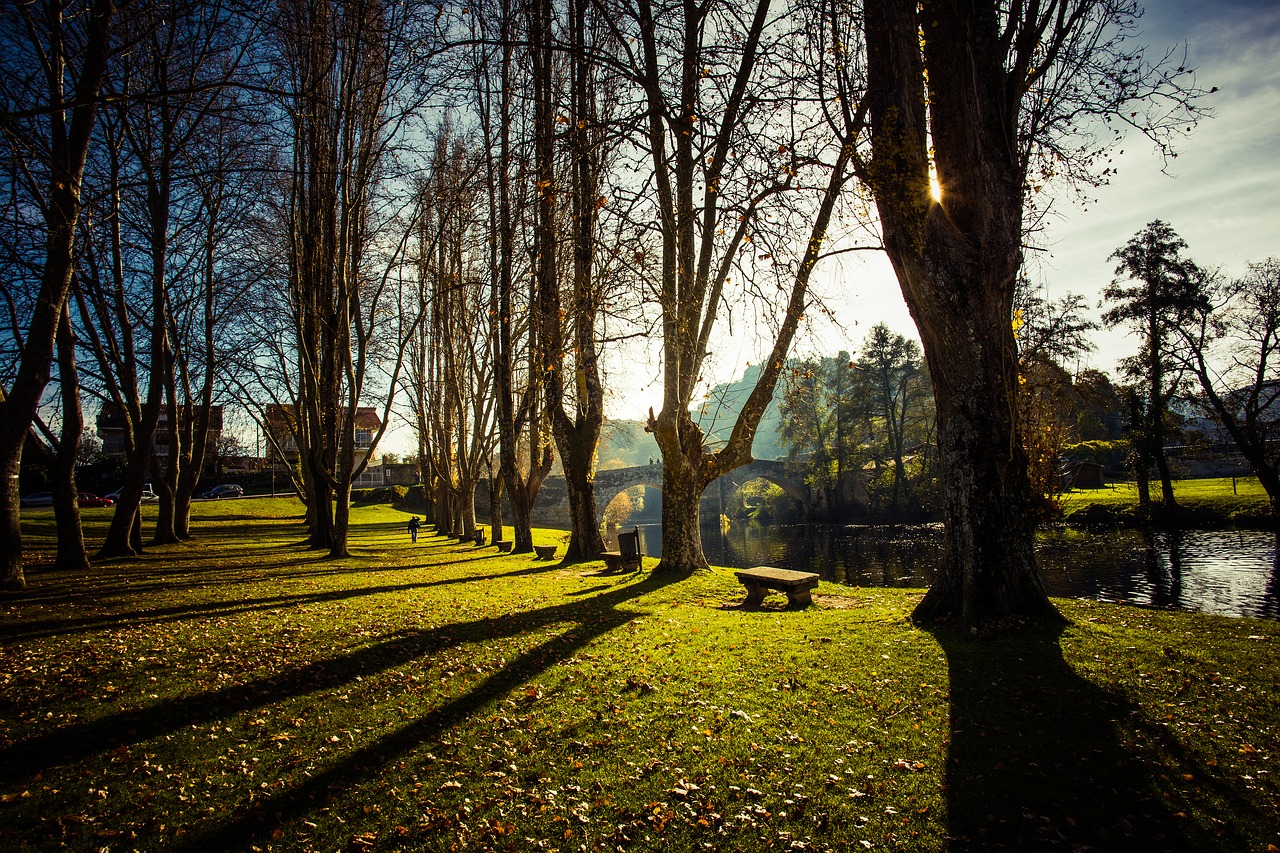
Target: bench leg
x,y
755,594
799,598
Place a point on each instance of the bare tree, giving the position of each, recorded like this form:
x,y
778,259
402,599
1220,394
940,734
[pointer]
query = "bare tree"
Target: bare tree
x,y
1233,349
524,441
570,171
61,452
451,373
353,84
226,189
726,150
156,148
55,60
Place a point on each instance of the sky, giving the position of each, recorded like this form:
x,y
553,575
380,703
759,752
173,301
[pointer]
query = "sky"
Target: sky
x,y
1218,194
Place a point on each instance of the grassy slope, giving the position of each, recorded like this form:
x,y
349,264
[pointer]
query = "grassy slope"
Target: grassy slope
x,y
244,693
1216,499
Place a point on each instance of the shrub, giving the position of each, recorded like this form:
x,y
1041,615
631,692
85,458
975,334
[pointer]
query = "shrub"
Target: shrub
x,y
1109,454
380,495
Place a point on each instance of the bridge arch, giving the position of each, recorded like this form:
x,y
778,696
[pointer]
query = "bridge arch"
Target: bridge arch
x,y
609,484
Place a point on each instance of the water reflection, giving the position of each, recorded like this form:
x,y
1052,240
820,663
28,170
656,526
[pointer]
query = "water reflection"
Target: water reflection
x,y
1229,572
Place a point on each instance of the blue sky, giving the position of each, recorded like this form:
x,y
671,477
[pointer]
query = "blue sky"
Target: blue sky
x,y
1220,193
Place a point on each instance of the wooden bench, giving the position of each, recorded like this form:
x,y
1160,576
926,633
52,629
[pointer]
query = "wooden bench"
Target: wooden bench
x,y
545,552
627,557
797,585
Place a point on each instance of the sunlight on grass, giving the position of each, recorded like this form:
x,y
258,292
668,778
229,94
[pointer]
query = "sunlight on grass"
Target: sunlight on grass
x,y
1222,498
242,692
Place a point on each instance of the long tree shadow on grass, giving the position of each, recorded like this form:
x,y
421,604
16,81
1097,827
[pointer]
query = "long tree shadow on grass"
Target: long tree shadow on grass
x,y
1038,758
37,628
76,742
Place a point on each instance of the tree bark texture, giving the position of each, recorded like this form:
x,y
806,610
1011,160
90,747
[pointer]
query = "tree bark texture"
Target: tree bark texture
x,y
956,261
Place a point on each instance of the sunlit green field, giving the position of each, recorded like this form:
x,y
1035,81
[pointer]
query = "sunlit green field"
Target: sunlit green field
x,y
1223,498
240,692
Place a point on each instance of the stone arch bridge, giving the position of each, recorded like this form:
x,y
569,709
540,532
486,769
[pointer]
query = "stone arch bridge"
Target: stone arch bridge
x,y
552,506
611,483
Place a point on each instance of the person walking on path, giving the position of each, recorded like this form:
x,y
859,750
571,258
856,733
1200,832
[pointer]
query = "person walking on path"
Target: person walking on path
x,y
413,528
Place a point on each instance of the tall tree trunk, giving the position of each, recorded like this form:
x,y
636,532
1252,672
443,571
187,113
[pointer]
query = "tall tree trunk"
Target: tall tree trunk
x,y
1139,454
576,432
124,536
71,551
989,572
467,508
495,506
341,520
577,444
1155,432
956,261
1168,502
522,495
443,505
69,146
681,526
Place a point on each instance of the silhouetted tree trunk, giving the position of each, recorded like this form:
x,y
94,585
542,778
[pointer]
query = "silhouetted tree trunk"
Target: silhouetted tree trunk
x,y
575,395
70,119
495,506
60,454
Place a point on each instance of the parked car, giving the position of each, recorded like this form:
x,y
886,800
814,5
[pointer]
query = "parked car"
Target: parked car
x,y
226,490
37,499
148,496
90,499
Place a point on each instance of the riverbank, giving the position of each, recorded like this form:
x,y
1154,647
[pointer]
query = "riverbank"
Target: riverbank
x,y
243,692
1203,503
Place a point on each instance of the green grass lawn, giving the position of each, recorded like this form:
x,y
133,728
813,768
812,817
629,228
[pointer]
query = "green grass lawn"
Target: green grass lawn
x,y
242,693
1219,499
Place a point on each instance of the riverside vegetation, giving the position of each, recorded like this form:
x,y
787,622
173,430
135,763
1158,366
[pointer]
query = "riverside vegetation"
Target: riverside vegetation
x,y
242,692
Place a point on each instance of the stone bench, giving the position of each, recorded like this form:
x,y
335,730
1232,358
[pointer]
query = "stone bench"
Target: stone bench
x,y
797,585
545,552
504,545
627,557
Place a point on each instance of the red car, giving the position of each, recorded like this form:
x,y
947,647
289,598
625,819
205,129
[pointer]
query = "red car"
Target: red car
x,y
88,499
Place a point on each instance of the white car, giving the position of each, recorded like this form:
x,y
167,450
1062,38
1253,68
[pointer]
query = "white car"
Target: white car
x,y
148,496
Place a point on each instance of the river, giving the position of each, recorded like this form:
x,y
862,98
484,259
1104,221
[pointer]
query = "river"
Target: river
x,y
1227,572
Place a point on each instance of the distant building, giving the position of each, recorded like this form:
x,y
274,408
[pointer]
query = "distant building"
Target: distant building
x,y
111,425
279,419
1083,475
